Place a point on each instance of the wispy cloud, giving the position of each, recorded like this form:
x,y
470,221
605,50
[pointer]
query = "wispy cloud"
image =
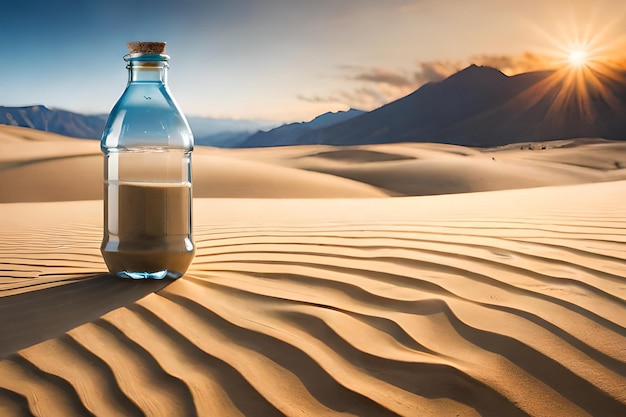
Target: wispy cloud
x,y
376,86
511,65
319,99
383,76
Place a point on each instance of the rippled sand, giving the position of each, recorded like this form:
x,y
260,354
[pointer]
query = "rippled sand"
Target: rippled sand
x,y
504,303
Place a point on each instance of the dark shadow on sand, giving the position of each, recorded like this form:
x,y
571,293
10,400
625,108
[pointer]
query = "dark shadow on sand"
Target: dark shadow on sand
x,y
34,316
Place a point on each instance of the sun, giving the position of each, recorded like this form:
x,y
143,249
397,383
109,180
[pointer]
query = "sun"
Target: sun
x,y
578,58
576,45
586,61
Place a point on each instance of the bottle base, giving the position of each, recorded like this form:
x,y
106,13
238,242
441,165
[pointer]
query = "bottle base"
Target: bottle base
x,y
149,275
140,264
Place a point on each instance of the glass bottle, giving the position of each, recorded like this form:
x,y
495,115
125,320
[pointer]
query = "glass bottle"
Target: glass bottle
x,y
147,145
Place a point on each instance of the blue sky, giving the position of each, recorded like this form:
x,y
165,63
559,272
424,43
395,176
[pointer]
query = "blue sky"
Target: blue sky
x,y
277,59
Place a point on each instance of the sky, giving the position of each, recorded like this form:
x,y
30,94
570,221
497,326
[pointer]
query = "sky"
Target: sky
x,y
286,60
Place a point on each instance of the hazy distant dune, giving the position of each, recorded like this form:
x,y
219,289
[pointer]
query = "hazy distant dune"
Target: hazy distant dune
x,y
358,156
430,168
39,166
228,176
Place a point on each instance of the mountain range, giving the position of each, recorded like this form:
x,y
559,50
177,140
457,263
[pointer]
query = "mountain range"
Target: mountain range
x,y
53,120
207,131
478,106
285,134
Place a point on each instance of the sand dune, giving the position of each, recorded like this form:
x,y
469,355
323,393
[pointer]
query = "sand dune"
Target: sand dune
x,y
37,166
46,167
425,169
317,301
502,303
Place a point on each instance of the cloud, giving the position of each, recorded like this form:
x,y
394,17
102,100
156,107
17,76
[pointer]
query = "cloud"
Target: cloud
x,y
377,86
432,72
516,64
319,99
613,56
383,76
370,97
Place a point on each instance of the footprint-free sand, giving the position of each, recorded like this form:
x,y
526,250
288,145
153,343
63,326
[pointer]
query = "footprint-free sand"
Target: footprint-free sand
x,y
405,279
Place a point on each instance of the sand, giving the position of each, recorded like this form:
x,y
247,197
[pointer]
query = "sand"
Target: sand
x,y
41,167
310,302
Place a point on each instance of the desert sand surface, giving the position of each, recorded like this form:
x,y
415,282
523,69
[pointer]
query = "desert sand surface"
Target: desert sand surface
x,y
323,288
39,166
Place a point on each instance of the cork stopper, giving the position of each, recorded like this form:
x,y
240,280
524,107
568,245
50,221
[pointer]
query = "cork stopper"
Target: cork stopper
x,y
138,47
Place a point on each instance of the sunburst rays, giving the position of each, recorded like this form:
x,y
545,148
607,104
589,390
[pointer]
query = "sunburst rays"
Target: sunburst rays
x,y
589,68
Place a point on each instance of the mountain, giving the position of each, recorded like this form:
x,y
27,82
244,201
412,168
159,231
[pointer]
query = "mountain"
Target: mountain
x,y
207,131
288,134
53,120
480,106
225,133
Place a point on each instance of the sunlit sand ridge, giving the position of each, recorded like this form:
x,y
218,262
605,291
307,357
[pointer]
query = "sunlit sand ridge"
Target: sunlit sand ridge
x,y
505,303
38,166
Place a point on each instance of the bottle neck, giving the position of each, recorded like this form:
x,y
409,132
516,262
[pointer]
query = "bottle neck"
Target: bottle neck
x,y
143,68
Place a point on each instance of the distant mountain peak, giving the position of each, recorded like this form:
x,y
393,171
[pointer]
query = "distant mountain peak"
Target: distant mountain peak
x,y
40,117
32,107
289,133
474,71
483,69
477,106
332,117
481,106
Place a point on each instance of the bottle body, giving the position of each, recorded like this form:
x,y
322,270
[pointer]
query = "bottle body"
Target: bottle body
x,y
147,145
